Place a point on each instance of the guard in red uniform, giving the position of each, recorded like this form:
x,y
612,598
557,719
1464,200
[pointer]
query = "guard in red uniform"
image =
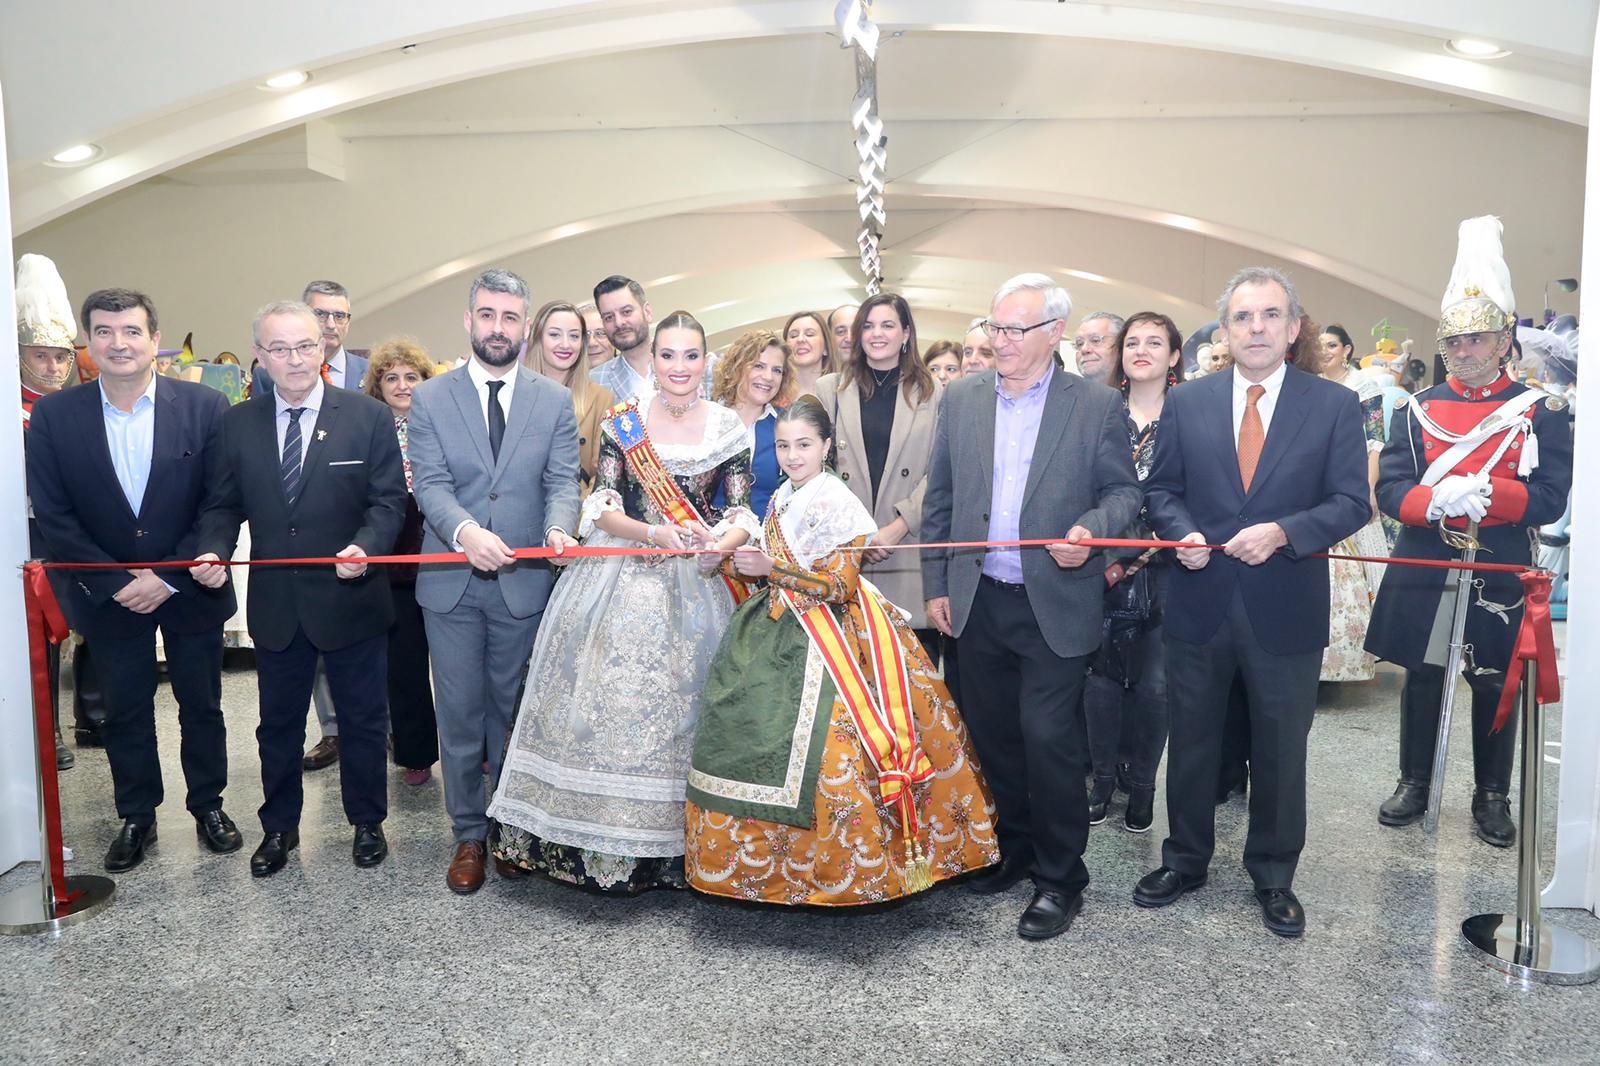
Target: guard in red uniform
x,y
46,330
1477,447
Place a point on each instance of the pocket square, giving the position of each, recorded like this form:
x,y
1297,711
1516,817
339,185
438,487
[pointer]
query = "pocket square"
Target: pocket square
x,y
347,462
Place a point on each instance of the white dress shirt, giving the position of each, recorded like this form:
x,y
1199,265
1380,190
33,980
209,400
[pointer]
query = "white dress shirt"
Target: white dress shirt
x,y
480,381
1264,406
308,418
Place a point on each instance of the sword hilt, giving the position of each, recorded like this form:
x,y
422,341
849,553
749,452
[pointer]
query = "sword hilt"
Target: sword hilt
x,y
1462,540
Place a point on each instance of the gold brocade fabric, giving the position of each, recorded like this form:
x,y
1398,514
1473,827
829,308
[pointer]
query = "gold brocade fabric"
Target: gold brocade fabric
x,y
855,851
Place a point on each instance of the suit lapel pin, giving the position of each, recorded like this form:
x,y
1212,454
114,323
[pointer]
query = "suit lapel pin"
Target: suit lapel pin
x,y
322,434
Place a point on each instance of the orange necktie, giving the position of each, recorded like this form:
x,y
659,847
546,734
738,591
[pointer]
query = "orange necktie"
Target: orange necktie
x,y
1251,436
327,376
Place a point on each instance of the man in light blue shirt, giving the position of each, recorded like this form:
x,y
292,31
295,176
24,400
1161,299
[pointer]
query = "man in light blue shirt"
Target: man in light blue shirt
x,y
117,474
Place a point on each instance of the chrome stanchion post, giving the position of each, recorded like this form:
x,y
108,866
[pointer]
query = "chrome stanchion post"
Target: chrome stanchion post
x,y
1520,944
33,909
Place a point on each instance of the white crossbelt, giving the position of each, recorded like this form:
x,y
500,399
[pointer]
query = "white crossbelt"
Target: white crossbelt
x,y
1510,418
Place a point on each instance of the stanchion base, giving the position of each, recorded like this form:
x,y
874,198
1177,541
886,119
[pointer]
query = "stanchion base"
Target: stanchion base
x,y
23,913
1561,957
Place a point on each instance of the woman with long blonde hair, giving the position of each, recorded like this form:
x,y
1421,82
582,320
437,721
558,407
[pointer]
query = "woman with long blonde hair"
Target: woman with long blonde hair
x,y
558,349
806,334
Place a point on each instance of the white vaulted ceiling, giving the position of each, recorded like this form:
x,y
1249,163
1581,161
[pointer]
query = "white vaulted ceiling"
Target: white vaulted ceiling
x,y
1140,151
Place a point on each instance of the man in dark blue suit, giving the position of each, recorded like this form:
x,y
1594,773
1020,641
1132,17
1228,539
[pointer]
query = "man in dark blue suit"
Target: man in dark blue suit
x,y
317,472
330,302
117,473
1269,462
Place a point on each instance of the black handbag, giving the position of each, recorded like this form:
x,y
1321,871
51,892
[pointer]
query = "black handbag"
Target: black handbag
x,y
1130,612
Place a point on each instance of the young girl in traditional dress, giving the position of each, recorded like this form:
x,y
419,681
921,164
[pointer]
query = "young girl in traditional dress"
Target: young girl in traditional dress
x,y
592,790
831,767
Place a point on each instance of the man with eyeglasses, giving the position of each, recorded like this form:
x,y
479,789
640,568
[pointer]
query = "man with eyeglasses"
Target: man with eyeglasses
x,y
1096,336
1270,463
316,471
1024,451
330,303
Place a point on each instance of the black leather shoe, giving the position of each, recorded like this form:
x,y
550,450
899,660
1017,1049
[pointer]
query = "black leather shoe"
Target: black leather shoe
x,y
217,832
1492,811
88,737
1408,804
127,851
1050,914
1281,912
370,847
273,853
1100,799
64,757
1141,810
997,879
1165,885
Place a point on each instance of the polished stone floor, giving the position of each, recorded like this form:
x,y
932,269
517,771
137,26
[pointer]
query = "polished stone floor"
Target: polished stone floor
x,y
196,962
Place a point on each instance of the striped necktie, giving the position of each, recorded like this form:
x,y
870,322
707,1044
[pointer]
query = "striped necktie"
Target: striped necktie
x,y
292,455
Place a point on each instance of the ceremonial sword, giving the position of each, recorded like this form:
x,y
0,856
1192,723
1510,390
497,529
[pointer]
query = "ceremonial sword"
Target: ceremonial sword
x,y
1467,544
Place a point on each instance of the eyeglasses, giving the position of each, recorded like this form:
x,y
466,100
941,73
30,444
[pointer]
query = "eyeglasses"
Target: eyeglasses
x,y
1013,333
1093,340
304,351
341,317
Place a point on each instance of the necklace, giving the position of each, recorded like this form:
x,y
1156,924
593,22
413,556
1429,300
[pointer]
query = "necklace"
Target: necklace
x,y
677,411
880,380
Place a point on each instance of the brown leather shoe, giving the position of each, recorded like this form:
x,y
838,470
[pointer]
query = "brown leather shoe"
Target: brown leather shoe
x,y
509,870
465,875
325,753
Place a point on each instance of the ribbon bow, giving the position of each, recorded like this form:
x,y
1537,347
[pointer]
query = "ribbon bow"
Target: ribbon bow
x,y
1536,643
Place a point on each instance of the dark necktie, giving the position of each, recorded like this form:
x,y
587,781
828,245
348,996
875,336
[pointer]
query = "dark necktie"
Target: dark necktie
x,y
497,419
291,455
1252,435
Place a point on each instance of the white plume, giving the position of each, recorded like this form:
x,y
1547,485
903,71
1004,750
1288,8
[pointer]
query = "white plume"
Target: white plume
x,y
1480,264
42,300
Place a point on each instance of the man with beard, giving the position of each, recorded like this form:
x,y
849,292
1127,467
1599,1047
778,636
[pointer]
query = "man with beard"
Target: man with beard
x,y
46,356
494,462
1096,335
625,315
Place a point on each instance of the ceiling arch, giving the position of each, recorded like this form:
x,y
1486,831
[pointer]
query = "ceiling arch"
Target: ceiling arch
x,y
218,111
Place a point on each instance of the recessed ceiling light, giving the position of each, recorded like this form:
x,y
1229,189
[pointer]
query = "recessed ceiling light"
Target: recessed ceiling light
x,y
289,79
78,153
1475,48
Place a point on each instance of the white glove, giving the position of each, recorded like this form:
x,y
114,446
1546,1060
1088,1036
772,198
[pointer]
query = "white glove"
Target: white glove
x,y
1460,495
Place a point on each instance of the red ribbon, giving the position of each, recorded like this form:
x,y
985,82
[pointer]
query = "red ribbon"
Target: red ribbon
x,y
583,551
46,624
1536,643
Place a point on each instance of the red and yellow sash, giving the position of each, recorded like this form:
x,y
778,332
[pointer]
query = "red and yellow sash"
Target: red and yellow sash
x,y
882,709
628,427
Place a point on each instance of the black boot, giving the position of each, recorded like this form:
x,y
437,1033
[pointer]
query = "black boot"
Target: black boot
x,y
1492,755
1419,732
1492,812
1100,798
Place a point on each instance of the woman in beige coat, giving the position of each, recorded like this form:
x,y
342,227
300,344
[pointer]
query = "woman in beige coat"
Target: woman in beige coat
x,y
884,403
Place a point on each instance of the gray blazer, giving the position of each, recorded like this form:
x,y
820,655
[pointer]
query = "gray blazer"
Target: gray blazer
x,y
532,487
1081,475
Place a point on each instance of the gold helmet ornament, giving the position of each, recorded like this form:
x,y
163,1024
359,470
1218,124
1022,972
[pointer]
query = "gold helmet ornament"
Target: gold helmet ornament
x,y
1478,298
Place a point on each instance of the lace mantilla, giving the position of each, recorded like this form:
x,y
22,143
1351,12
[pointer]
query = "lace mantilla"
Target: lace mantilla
x,y
819,517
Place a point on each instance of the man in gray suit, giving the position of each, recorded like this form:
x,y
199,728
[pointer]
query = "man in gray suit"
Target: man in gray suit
x,y
494,462
1027,452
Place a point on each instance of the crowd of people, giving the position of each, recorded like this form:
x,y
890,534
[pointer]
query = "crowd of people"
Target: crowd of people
x,y
800,658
